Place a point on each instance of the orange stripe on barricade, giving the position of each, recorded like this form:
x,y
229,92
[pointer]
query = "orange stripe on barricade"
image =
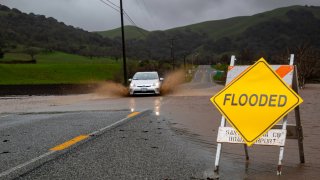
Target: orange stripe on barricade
x,y
230,67
282,71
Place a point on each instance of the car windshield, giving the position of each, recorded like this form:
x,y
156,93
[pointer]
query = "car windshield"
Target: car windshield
x,y
145,76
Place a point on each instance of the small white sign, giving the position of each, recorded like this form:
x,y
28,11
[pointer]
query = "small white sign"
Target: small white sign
x,y
274,137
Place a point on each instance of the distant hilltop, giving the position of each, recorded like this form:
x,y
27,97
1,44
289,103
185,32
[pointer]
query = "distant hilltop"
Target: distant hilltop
x,y
269,33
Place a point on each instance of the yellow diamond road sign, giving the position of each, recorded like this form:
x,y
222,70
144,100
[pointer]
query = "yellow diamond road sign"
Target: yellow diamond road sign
x,y
255,101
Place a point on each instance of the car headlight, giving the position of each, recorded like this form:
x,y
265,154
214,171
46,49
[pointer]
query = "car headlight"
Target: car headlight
x,y
157,84
132,85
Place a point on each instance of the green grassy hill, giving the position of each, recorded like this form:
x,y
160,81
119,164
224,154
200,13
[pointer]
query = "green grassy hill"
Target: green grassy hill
x,y
57,68
31,30
236,25
267,33
218,28
131,32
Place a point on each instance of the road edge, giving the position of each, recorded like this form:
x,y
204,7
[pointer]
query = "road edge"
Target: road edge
x,y
34,163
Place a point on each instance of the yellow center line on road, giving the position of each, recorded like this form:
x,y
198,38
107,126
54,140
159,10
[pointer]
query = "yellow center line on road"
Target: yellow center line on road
x,y
69,143
133,114
80,138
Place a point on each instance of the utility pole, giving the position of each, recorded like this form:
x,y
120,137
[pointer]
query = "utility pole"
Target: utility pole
x,y
123,47
194,58
172,53
184,61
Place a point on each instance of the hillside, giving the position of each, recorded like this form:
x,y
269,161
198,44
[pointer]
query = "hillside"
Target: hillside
x,y
220,28
237,25
268,33
131,32
30,30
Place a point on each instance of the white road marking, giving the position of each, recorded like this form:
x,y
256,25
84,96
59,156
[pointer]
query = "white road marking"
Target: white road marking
x,y
7,172
34,160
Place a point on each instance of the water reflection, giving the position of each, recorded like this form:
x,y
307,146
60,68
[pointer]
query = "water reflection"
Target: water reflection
x,y
132,104
136,104
157,105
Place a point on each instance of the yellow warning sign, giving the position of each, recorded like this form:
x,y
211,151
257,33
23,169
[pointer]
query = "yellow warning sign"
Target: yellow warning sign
x,y
255,101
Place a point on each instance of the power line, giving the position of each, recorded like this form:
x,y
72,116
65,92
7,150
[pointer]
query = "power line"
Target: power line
x,y
125,13
110,6
116,7
128,18
113,3
135,25
151,17
146,13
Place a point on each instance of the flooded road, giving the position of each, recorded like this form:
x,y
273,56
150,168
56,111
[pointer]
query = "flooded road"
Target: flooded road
x,y
192,117
195,118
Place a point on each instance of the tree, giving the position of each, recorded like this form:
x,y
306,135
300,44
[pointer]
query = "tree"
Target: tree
x,y
87,51
32,52
281,57
1,44
225,59
245,56
306,59
1,53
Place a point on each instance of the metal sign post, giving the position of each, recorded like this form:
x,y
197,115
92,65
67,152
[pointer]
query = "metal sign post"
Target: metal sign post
x,y
287,76
222,124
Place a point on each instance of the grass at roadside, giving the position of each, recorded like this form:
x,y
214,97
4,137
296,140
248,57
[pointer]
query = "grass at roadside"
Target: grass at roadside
x,y
57,68
57,58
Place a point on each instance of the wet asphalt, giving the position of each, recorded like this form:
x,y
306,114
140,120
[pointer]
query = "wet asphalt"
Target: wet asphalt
x,y
25,136
144,148
175,141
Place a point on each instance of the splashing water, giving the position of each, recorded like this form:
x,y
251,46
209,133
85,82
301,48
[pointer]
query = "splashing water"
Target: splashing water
x,y
111,89
172,81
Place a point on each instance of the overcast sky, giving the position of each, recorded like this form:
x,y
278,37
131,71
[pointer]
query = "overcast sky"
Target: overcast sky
x,y
93,15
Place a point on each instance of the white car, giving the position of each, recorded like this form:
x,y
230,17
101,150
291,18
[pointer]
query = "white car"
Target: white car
x,y
145,83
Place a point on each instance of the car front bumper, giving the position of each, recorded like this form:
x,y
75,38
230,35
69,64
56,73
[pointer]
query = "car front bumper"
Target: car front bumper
x,y
144,90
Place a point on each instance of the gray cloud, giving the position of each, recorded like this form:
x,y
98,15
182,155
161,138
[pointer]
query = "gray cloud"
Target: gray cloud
x,y
93,15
